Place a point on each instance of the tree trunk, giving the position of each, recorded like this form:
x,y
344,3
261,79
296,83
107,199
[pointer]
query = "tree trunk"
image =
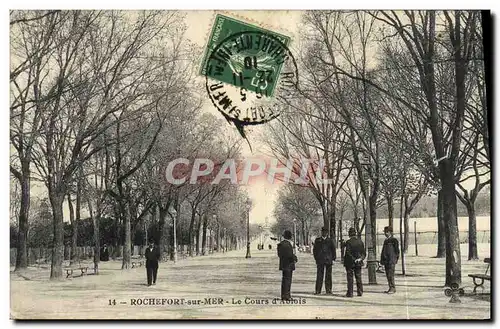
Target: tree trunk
x,y
453,261
56,201
217,236
198,228
390,210
22,234
204,237
97,248
326,219
341,238
190,233
97,242
74,232
303,232
133,231
161,224
78,210
402,237
407,230
127,238
117,236
441,243
356,226
373,218
471,211
333,223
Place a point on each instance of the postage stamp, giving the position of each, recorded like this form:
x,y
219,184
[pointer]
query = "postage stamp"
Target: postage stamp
x,y
248,71
253,58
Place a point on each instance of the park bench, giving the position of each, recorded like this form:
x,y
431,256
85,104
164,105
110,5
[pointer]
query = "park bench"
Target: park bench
x,y
165,257
183,253
83,269
137,262
41,261
481,277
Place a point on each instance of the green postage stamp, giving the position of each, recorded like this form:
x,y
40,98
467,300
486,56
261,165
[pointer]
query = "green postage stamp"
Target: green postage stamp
x,y
244,55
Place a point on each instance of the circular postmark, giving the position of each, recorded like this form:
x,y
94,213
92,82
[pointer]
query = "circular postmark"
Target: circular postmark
x,y
249,77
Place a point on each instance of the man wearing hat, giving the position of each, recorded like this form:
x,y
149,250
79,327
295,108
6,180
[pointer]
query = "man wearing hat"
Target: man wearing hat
x,y
287,264
389,257
152,258
104,254
324,254
353,261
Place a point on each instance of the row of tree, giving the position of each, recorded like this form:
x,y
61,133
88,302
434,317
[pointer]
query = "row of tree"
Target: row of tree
x,y
391,107
101,102
41,233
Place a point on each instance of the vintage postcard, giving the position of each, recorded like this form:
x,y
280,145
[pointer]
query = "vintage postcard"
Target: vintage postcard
x,y
316,164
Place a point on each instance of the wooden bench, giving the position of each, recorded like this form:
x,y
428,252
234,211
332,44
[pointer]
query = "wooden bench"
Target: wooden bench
x,y
481,277
41,261
83,269
137,261
164,257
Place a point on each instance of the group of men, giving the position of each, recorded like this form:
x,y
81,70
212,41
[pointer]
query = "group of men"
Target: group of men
x,y
324,255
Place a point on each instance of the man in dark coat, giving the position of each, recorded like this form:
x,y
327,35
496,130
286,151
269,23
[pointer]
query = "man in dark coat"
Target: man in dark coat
x,y
104,253
353,261
152,257
287,264
389,257
324,254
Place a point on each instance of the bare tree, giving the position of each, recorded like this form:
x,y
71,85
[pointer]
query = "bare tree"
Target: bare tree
x,y
311,136
300,203
339,42
32,43
418,34
105,75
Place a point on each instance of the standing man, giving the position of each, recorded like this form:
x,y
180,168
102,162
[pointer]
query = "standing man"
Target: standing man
x,y
287,264
389,257
152,258
353,261
324,255
104,253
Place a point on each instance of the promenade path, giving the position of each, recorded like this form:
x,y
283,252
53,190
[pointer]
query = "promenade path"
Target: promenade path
x,y
213,287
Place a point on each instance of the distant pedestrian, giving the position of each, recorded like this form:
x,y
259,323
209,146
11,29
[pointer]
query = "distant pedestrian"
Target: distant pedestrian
x,y
152,258
389,257
104,254
324,254
270,246
287,264
353,262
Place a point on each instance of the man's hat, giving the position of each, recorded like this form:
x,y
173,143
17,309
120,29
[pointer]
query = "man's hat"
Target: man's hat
x,y
287,234
388,229
324,229
352,231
